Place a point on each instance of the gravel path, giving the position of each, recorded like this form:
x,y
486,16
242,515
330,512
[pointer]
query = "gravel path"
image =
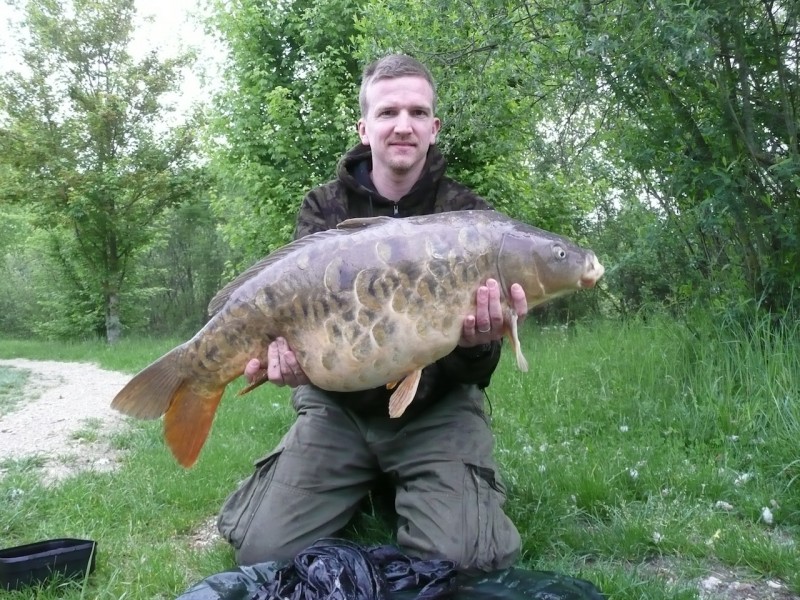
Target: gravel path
x,y
64,417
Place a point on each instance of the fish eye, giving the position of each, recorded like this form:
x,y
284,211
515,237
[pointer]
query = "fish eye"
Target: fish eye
x,y
559,252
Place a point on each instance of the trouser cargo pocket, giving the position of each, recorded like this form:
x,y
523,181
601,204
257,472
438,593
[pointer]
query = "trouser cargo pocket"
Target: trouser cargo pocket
x,y
241,506
492,540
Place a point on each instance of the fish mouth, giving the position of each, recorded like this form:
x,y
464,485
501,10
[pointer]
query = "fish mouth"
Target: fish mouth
x,y
594,271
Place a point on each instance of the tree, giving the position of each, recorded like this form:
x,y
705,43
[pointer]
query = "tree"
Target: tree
x,y
708,95
84,138
285,115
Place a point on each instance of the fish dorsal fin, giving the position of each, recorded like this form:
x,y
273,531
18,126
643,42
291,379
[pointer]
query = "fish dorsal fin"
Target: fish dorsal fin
x,y
222,296
363,222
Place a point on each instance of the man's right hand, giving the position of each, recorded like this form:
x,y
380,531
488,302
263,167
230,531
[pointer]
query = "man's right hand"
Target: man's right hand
x,y
282,366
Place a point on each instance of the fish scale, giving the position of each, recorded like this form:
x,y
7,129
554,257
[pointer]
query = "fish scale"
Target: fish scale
x,y
370,303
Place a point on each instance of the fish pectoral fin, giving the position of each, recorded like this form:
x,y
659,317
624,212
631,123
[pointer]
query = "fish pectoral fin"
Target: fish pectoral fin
x,y
404,394
512,332
188,421
391,385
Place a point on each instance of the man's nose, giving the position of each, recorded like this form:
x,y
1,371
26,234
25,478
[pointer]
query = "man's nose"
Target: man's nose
x,y
403,122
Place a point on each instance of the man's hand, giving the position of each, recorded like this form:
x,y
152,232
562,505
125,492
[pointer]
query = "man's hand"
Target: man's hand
x,y
486,325
282,366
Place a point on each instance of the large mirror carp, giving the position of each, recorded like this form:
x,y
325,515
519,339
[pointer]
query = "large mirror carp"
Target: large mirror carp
x,y
367,304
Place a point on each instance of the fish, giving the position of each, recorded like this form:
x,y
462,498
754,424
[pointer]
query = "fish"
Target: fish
x,y
369,303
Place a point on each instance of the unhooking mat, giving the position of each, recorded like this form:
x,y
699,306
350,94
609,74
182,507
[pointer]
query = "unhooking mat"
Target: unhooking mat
x,y
335,569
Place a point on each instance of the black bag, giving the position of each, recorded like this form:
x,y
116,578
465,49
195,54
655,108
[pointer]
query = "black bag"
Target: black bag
x,y
334,569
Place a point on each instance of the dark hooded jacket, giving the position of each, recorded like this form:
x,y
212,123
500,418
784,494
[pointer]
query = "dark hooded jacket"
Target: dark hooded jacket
x,y
351,195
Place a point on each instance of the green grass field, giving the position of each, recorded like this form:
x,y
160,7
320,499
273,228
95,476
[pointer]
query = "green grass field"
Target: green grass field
x,y
640,457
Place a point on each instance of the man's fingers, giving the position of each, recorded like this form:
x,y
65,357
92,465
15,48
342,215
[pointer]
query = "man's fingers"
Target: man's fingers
x,y
483,322
274,363
519,300
495,308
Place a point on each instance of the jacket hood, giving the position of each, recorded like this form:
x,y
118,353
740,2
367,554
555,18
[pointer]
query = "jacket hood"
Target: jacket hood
x,y
354,173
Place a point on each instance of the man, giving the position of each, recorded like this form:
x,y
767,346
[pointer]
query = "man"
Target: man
x,y
448,494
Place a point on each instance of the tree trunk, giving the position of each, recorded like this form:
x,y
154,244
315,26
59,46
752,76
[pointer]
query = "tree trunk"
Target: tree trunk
x,y
113,324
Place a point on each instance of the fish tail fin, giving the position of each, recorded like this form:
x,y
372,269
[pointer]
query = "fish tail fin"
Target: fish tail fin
x,y
162,389
188,421
149,394
512,332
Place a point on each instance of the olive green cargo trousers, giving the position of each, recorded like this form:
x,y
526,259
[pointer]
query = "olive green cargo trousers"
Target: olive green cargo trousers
x,y
449,497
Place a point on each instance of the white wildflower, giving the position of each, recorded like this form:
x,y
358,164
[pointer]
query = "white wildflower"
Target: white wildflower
x,y
743,478
657,537
542,468
633,473
527,449
766,516
623,428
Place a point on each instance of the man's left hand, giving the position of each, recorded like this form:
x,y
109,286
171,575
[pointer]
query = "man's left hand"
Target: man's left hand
x,y
487,324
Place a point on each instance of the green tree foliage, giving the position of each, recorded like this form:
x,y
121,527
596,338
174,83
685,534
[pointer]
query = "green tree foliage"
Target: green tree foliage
x,y
182,269
707,98
86,150
286,113
16,308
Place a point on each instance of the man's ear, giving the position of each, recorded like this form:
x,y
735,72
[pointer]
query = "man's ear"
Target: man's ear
x,y
437,125
362,132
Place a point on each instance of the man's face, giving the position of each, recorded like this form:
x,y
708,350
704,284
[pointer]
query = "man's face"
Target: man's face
x,y
399,126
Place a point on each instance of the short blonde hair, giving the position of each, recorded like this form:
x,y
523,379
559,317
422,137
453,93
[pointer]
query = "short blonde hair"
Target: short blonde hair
x,y
393,66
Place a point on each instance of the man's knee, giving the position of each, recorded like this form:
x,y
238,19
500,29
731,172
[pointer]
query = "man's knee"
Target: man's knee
x,y
257,547
498,551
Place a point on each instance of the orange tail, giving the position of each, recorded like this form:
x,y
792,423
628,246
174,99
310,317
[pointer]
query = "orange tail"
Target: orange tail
x,y
162,389
188,421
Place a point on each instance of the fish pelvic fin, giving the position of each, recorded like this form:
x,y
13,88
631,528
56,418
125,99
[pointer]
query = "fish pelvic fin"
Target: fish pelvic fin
x,y
251,386
404,394
512,332
188,421
149,393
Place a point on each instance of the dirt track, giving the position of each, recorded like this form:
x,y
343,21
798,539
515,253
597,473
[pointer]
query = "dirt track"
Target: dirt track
x,y
64,417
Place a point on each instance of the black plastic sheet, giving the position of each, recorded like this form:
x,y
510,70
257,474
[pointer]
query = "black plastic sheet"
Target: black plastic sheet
x,y
334,569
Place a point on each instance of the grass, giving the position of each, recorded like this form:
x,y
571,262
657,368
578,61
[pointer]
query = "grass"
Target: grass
x,y
11,380
626,450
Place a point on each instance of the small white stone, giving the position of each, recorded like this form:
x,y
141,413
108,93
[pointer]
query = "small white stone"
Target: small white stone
x,y
711,583
774,585
766,516
722,505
